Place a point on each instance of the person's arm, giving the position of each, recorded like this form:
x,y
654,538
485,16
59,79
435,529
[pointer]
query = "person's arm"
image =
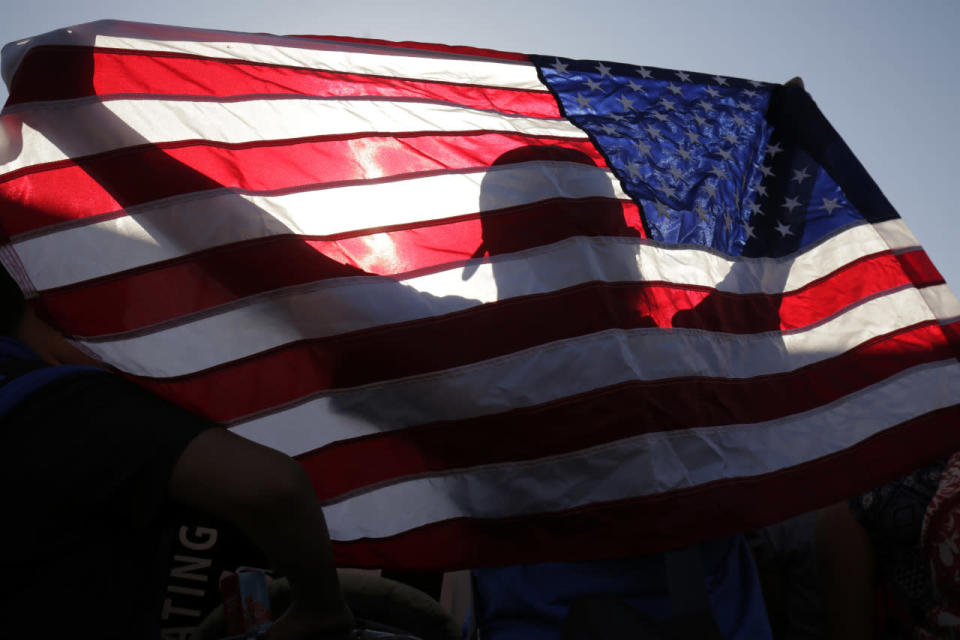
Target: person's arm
x,y
846,564
270,498
48,343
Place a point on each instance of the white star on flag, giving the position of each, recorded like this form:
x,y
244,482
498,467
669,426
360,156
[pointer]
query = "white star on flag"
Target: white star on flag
x,y
642,147
790,204
783,230
830,205
626,103
701,212
800,176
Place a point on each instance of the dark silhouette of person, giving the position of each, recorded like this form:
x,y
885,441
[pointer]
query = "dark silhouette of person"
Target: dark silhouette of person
x,y
263,492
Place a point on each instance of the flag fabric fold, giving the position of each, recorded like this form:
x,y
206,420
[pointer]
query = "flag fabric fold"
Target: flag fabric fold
x,y
503,308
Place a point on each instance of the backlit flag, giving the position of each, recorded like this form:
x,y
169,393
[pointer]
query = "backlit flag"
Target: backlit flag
x,y
503,308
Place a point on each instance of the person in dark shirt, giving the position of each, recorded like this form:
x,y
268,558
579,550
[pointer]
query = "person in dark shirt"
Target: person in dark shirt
x,y
90,465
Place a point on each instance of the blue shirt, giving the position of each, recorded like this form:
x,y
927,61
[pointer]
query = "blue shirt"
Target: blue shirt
x,y
530,602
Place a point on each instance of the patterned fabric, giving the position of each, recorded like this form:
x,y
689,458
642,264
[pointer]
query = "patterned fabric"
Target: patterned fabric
x,y
893,516
940,537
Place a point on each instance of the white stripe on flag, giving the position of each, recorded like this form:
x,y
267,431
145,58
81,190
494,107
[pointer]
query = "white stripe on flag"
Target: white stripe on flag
x,y
344,305
530,377
943,303
329,55
174,227
897,235
647,464
52,132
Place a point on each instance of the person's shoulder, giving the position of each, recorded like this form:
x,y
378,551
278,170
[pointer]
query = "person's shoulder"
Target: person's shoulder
x,y
24,375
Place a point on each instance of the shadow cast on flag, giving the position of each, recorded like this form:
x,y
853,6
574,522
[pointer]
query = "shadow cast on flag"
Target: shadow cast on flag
x,y
501,307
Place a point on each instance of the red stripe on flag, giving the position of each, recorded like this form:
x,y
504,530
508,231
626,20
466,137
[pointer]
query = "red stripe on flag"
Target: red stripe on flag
x,y
858,280
614,413
436,344
104,184
952,332
654,523
65,73
149,297
220,276
918,266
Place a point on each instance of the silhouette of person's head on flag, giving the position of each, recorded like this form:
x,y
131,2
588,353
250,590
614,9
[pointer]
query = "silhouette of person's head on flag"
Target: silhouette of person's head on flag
x,y
540,194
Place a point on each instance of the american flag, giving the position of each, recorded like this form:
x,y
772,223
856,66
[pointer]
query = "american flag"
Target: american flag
x,y
502,307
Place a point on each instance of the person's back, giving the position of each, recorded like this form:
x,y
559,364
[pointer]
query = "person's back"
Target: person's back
x,y
91,463
86,461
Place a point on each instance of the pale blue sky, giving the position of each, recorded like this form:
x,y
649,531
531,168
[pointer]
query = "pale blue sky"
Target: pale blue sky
x,y
886,74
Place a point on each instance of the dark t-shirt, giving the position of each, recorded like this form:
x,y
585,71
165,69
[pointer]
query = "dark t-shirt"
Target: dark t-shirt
x,y
84,464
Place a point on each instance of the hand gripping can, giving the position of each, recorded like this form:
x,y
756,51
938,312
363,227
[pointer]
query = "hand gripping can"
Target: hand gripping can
x,y
246,602
255,599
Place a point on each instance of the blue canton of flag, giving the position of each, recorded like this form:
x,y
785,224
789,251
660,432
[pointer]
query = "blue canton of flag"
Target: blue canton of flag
x,y
702,156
